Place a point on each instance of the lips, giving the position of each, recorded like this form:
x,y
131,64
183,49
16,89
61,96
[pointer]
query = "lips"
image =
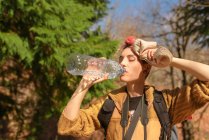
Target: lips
x,y
125,72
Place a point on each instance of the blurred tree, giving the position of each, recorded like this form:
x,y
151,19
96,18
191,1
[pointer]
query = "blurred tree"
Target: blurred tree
x,y
196,15
35,38
190,25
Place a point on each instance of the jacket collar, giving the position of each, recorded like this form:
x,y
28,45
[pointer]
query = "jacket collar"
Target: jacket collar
x,y
119,96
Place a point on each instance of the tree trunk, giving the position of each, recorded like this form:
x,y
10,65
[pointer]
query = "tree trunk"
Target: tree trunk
x,y
187,126
172,78
187,130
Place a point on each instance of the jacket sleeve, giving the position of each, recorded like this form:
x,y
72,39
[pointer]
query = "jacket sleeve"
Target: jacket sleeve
x,y
85,124
183,102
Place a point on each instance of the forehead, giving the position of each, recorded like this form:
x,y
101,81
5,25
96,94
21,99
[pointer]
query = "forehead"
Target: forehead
x,y
127,51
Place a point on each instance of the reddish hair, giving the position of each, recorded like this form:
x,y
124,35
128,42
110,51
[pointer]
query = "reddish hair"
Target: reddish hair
x,y
128,43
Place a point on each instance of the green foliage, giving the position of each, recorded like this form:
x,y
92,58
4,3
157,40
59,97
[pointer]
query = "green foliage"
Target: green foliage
x,y
49,27
13,45
39,35
99,6
96,45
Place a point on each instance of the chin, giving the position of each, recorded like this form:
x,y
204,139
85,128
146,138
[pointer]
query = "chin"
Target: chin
x,y
125,79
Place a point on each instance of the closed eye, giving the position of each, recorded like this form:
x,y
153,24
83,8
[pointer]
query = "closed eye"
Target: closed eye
x,y
131,57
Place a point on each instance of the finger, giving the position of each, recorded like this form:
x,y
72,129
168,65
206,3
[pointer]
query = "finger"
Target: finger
x,y
148,55
105,77
152,55
144,52
146,49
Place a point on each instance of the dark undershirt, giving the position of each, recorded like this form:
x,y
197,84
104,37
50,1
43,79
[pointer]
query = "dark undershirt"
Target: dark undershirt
x,y
133,102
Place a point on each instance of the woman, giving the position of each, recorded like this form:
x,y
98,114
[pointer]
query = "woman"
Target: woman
x,y
181,102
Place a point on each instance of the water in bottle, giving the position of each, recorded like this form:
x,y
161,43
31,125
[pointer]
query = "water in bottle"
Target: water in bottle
x,y
83,64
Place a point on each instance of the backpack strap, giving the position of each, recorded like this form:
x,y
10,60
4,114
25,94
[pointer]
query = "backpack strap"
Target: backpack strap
x,y
144,117
108,107
163,115
141,111
105,113
124,116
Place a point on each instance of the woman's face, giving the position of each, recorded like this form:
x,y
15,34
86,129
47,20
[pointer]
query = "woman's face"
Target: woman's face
x,y
132,65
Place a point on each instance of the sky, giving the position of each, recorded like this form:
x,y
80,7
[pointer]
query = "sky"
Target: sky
x,y
118,7
121,5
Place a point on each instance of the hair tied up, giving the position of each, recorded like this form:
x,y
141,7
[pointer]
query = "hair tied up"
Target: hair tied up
x,y
130,40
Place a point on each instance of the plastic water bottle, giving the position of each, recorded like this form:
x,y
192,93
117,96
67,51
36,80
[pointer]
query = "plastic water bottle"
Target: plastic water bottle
x,y
83,64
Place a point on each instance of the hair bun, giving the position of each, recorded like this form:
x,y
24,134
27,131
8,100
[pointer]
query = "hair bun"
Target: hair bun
x,y
130,40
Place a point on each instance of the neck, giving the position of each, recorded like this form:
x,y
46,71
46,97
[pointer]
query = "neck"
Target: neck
x,y
135,89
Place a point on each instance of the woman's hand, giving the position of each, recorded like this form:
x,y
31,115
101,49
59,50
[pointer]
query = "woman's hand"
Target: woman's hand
x,y
93,74
148,56
153,54
142,45
89,80
159,57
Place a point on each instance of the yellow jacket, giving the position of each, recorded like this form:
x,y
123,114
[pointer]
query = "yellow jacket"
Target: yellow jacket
x,y
181,102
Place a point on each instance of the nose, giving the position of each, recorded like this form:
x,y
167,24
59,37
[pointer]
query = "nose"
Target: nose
x,y
124,62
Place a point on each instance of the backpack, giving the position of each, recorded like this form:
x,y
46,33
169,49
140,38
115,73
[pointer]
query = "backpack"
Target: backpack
x,y
106,111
